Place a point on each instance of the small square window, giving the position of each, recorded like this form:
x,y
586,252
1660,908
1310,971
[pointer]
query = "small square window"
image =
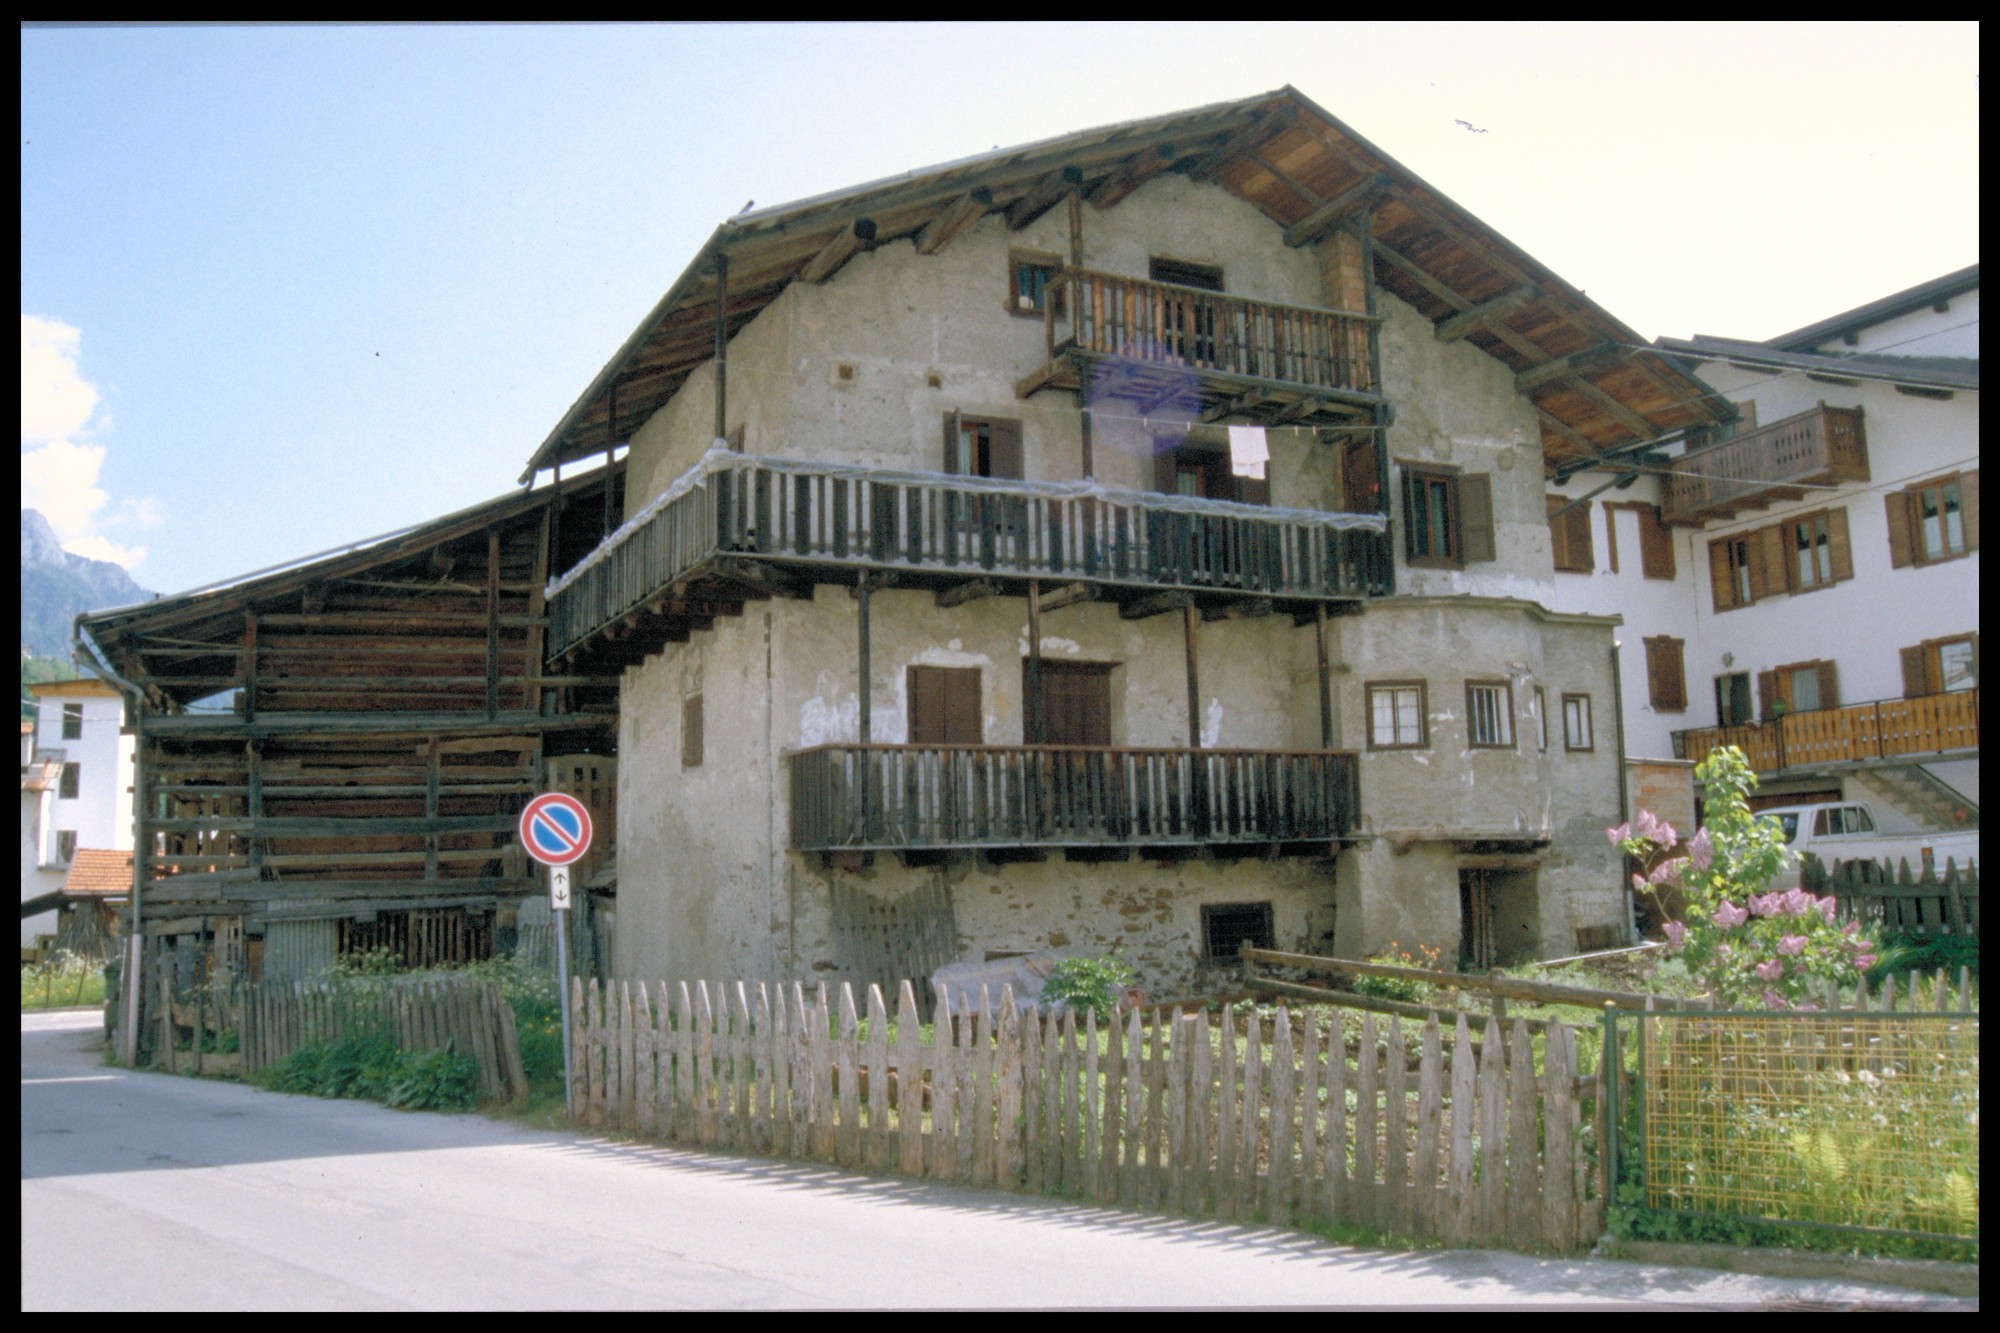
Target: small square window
x,y
1489,715
1227,927
1397,718
1034,284
1576,723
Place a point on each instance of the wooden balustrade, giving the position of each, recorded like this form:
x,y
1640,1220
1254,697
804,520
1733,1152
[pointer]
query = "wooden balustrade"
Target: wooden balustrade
x,y
1819,447
782,510
1883,729
945,796
1108,314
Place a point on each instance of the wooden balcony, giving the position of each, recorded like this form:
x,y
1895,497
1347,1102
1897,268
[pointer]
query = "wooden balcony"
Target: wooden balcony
x,y
1769,464
1211,354
994,797
815,521
1885,729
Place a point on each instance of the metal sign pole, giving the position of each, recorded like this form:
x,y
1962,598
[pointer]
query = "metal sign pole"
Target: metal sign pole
x,y
559,905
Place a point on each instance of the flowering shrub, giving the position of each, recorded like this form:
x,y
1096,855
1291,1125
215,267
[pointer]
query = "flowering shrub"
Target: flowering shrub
x,y
1775,950
1426,956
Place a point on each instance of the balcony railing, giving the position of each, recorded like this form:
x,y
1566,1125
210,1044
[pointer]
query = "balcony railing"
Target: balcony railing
x,y
1107,314
923,797
1819,447
1885,729
934,522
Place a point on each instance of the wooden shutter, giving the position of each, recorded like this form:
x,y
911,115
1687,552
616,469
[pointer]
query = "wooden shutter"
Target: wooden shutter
x,y
1409,515
1901,552
1968,508
1767,693
1475,517
1769,562
1004,455
1829,686
951,432
1723,586
1916,672
1076,702
1840,551
962,722
1361,489
1656,544
1611,534
944,706
1666,676
1165,470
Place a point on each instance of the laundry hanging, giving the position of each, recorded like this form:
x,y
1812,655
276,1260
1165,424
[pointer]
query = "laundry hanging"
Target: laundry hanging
x,y
1248,451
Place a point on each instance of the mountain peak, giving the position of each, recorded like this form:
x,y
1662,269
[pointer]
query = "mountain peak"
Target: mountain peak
x,y
57,586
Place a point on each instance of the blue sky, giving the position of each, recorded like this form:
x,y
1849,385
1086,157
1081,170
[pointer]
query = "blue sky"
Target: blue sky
x,y
286,287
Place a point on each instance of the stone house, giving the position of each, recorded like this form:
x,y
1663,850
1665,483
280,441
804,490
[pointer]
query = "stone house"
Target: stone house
x,y
1135,540
1804,582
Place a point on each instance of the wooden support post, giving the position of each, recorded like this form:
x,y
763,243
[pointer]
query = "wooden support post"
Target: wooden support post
x,y
493,624
721,346
254,752
1037,726
555,518
1325,681
1083,402
1378,418
861,599
431,809
1076,228
250,666
1189,619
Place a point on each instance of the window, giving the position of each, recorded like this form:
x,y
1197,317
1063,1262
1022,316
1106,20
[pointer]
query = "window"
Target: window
x,y
1934,520
72,728
1666,679
1398,718
1541,720
1576,722
1203,470
1489,715
1732,700
944,705
66,846
1842,819
1207,277
1656,544
1033,283
72,782
1800,687
1941,666
1447,518
982,446
1734,571
1227,927
691,731
1816,550
1076,703
1569,535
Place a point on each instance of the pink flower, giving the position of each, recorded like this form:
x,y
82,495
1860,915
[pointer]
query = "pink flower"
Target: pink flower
x,y
1864,961
1827,908
1850,927
1654,829
1639,883
1773,1000
1770,971
1667,870
1791,945
1729,916
1798,902
1619,834
1676,934
1701,851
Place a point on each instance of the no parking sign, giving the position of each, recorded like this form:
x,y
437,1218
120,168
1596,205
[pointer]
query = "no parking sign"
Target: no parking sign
x,y
555,828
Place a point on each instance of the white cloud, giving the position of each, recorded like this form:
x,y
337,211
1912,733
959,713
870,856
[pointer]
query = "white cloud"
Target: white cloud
x,y
59,471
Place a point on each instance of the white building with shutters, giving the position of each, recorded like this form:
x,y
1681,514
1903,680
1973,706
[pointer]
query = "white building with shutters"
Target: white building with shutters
x,y
1807,585
76,786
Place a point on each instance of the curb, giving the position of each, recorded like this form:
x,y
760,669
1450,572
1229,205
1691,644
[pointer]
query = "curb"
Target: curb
x,y
1937,1275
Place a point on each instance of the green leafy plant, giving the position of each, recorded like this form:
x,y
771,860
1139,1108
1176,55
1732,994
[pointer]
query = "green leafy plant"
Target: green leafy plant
x,y
1425,956
1090,985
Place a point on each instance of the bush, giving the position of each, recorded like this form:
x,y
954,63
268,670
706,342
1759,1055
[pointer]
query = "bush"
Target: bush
x,y
1409,989
371,1067
1090,985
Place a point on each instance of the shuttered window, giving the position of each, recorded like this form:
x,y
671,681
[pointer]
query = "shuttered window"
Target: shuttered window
x,y
1802,687
1447,518
1076,703
1656,544
982,446
1569,535
1817,550
1941,666
944,706
1666,678
1934,520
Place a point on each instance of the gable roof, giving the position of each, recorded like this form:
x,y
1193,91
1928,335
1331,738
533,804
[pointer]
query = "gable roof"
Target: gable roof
x,y
98,874
1932,293
1916,372
1595,383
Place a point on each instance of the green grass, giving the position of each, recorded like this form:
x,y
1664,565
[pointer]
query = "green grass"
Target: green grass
x,y
49,986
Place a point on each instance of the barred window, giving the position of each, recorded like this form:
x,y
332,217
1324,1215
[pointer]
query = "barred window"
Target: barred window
x,y
1489,715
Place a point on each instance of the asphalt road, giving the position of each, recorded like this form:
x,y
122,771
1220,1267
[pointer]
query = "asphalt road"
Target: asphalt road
x,y
145,1191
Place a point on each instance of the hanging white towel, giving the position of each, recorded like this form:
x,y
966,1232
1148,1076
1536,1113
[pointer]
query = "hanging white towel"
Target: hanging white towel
x,y
1248,451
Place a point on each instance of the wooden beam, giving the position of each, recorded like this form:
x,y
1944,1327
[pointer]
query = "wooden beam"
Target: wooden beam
x,y
1335,211
760,576
1251,136
1415,272
1242,608
1233,406
1620,413
1576,363
846,244
1139,168
1043,195
1067,595
1568,432
1457,326
1325,678
970,590
1157,604
1287,180
1037,728
958,215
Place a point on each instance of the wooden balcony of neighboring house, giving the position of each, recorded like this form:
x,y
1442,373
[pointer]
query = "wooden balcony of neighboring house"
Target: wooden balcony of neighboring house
x,y
1766,465
738,527
1002,799
1206,354
1857,734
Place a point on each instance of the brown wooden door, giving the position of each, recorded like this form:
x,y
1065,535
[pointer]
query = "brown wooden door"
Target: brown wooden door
x,y
944,706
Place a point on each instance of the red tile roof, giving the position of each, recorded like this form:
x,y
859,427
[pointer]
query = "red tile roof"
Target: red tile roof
x,y
95,874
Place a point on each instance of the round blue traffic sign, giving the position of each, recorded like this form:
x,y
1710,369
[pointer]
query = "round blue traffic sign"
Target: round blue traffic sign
x,y
555,828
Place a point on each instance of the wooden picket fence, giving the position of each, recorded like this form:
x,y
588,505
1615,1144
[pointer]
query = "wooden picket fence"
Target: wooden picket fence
x,y
1929,902
1450,1136
428,1014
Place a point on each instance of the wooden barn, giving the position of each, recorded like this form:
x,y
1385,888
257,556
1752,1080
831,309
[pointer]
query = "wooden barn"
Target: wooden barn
x,y
332,755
